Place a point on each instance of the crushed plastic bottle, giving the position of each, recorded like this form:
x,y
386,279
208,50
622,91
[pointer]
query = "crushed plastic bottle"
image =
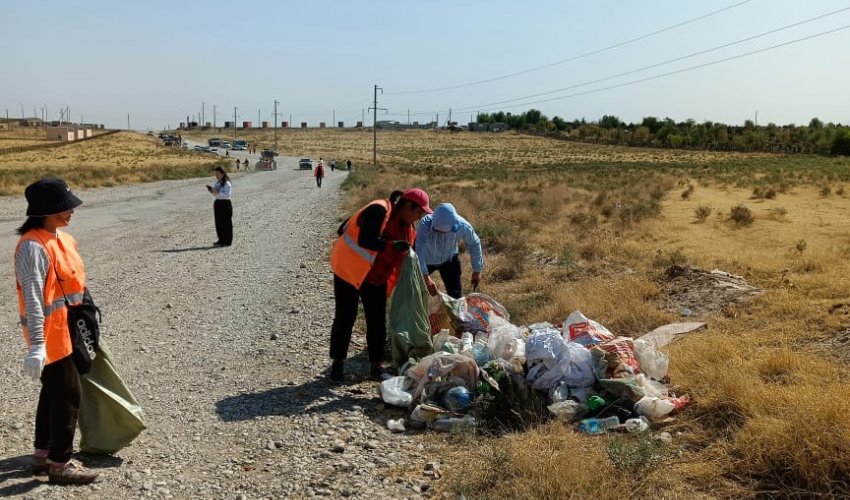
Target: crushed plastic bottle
x,y
454,424
598,425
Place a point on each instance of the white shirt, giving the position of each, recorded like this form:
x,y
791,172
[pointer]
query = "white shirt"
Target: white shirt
x,y
224,191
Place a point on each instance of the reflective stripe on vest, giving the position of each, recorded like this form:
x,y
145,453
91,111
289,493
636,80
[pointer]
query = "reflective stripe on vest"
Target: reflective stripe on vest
x,y
61,250
58,304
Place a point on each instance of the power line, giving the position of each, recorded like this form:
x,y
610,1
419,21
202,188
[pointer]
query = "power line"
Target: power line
x,y
670,61
670,73
574,58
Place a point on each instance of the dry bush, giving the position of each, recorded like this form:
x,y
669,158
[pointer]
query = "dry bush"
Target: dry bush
x,y
741,215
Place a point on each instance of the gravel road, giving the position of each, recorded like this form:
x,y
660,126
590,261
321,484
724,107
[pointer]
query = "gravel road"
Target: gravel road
x,y
225,348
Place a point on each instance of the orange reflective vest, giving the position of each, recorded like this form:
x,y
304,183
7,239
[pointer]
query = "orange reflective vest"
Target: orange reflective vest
x,y
63,259
350,261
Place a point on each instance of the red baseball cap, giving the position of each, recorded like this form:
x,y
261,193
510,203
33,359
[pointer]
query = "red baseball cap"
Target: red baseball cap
x,y
419,198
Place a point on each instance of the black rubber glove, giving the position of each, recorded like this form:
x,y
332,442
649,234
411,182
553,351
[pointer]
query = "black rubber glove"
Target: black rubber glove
x,y
401,246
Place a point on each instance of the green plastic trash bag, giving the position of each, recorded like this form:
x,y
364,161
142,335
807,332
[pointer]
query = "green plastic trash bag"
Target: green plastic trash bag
x,y
410,330
110,416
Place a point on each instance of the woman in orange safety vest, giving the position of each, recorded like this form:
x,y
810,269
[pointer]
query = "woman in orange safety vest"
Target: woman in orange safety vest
x,y
366,259
48,269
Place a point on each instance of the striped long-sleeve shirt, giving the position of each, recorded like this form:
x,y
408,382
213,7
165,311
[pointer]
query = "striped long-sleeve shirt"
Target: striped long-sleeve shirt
x,y
31,268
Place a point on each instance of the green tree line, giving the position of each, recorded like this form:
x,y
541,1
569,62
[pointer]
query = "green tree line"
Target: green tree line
x,y
816,137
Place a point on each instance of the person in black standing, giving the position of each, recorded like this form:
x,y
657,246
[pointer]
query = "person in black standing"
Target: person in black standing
x,y
222,208
348,164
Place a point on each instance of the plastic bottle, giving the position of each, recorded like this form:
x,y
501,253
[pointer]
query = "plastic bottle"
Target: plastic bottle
x,y
454,424
598,425
467,339
480,352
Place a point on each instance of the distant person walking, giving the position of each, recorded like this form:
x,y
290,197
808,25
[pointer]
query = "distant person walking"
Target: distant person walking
x,y
222,208
50,275
319,173
333,165
348,165
237,164
436,246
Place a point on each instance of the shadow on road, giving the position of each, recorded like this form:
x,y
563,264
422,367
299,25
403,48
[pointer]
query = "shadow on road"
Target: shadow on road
x,y
18,468
190,249
319,395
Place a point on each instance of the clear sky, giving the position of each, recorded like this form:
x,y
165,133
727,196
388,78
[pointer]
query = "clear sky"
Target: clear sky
x,y
160,60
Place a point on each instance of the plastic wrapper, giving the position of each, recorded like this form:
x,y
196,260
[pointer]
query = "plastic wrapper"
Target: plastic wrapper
x,y
583,330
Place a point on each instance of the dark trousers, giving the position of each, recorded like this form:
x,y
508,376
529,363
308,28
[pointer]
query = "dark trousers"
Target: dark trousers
x,y
319,180
347,298
223,211
450,272
58,408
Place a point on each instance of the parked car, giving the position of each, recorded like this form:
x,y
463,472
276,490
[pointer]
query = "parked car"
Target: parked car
x,y
199,147
225,145
305,164
269,152
238,148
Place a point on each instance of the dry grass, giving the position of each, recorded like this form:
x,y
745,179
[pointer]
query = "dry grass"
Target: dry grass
x,y
569,226
122,158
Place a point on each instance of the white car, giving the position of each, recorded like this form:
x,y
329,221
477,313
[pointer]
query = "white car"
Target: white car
x,y
225,145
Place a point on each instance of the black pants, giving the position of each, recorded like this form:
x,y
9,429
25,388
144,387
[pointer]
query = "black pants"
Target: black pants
x,y
319,180
450,272
58,408
347,298
223,211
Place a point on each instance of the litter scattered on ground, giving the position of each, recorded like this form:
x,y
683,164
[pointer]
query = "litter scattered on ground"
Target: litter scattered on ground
x,y
480,370
691,291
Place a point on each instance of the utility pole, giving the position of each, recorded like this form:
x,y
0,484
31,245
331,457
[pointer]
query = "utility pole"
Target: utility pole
x,y
333,123
234,123
202,114
214,125
362,116
757,118
22,110
449,121
128,121
375,109
408,116
259,119
275,123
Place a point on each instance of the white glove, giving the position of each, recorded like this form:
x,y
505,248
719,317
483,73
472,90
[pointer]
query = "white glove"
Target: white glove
x,y
34,361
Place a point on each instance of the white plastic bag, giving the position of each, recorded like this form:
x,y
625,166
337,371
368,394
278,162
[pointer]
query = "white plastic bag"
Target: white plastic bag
x,y
393,392
654,408
503,342
650,387
444,341
574,367
653,362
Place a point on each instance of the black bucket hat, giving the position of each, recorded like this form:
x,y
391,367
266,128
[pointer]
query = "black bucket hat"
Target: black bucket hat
x,y
49,196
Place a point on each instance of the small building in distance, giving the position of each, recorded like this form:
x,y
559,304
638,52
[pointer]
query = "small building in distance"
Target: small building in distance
x,y
68,133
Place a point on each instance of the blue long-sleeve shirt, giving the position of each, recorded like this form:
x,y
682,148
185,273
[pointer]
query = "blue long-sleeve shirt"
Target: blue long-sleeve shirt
x,y
438,235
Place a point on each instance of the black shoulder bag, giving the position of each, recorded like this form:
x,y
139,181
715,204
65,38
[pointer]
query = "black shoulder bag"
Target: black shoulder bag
x,y
84,328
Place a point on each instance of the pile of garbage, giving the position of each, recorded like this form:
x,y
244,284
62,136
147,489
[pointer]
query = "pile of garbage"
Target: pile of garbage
x,y
463,364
